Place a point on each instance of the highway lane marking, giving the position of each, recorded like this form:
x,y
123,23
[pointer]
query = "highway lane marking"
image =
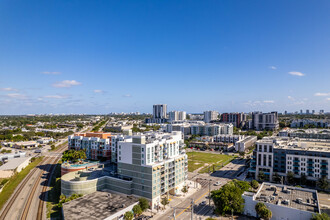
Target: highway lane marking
x,y
190,205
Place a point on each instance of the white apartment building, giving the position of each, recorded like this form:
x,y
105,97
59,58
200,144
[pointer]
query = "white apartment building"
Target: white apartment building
x,y
157,163
177,116
265,121
210,116
211,129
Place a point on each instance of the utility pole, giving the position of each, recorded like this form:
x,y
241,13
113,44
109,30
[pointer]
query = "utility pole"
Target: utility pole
x,y
174,213
192,209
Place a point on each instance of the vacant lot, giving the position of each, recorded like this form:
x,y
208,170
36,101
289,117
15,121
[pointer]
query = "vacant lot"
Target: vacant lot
x,y
198,159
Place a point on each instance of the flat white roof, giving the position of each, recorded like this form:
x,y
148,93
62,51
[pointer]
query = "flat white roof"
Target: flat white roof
x,y
14,163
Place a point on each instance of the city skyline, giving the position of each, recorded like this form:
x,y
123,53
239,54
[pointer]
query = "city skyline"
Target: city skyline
x,y
100,57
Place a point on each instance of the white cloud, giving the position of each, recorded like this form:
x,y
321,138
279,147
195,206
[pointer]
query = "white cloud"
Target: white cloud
x,y
321,94
328,99
290,97
16,96
66,84
294,73
273,67
51,73
98,91
56,96
8,89
269,101
127,95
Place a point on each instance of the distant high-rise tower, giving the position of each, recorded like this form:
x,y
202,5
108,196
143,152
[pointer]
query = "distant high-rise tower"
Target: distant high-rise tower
x,y
313,112
159,111
301,112
210,116
307,112
177,116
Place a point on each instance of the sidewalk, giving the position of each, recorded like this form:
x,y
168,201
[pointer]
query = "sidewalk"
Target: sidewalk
x,y
176,200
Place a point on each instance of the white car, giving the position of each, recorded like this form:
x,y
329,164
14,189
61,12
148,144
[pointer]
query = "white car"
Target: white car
x,y
203,203
217,183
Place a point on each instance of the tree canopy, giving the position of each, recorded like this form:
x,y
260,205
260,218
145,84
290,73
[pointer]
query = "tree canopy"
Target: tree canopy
x,y
74,155
229,197
144,204
322,216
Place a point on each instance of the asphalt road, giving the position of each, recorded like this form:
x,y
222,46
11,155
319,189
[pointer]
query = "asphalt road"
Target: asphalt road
x,y
183,209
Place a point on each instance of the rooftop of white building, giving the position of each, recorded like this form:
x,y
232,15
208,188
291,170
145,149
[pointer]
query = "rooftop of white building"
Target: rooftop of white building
x,y
297,143
12,164
292,197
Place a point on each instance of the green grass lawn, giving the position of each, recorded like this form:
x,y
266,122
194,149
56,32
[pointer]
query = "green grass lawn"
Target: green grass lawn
x,y
199,159
15,180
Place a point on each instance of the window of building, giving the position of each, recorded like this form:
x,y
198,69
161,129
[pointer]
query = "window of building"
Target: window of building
x,y
265,156
119,158
265,148
260,148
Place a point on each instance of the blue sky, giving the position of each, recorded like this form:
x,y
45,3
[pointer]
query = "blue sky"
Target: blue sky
x,y
123,56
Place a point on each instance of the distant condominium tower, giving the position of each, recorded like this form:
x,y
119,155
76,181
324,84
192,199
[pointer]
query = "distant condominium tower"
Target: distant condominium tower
x,y
236,118
177,116
307,112
210,116
265,121
159,111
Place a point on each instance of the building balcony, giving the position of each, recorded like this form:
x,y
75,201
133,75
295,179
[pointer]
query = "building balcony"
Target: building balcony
x,y
296,165
310,162
324,163
296,161
310,167
324,168
310,171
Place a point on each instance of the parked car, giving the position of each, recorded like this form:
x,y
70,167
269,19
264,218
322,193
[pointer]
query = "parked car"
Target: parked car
x,y
217,183
203,203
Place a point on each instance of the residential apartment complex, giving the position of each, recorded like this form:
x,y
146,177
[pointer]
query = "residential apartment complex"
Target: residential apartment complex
x,y
211,129
157,163
264,121
98,146
177,116
237,119
318,123
148,165
282,154
200,128
210,116
306,133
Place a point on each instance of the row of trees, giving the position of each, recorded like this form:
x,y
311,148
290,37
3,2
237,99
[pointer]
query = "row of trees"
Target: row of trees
x,y
137,209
